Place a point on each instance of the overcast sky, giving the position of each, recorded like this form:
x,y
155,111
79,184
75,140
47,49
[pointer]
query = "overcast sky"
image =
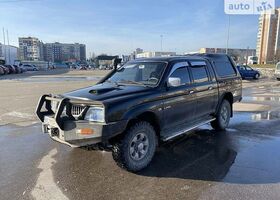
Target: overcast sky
x,y
120,26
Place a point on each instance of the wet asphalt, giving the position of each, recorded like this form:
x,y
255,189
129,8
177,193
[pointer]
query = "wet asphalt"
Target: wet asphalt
x,y
240,163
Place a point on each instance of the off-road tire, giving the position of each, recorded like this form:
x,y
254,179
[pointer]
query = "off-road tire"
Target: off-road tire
x,y
121,149
220,123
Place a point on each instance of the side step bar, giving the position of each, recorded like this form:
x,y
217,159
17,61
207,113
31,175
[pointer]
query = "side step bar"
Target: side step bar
x,y
184,131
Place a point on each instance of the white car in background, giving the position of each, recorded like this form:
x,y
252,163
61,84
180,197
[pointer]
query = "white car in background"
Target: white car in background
x,y
277,71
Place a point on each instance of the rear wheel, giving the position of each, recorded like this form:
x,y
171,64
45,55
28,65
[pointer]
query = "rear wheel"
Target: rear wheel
x,y
223,116
137,148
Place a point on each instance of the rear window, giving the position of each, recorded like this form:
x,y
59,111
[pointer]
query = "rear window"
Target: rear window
x,y
224,69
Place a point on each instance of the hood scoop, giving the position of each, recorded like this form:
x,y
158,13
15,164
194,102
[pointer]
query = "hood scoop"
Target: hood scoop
x,y
101,91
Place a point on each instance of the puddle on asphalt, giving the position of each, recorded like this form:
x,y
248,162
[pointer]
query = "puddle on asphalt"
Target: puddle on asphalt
x,y
240,117
250,98
58,79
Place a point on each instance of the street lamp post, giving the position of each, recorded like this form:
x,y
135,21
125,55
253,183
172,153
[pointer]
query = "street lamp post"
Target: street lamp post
x,y
161,36
228,34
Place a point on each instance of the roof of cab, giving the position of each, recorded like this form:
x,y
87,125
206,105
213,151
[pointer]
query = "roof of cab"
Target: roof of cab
x,y
185,57
168,59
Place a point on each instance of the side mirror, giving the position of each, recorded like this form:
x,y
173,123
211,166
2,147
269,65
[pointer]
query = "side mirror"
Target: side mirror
x,y
173,82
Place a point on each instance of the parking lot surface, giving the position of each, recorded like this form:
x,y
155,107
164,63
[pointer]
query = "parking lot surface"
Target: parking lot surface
x,y
240,163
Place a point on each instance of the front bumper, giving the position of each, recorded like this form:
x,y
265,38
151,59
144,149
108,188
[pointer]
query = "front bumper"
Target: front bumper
x,y
64,128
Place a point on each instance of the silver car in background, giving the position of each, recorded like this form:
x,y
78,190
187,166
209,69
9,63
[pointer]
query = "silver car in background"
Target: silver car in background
x,y
277,71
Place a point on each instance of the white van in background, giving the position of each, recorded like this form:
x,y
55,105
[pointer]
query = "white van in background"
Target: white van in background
x,y
252,60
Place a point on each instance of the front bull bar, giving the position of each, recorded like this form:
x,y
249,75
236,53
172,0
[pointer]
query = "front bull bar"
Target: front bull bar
x,y
62,104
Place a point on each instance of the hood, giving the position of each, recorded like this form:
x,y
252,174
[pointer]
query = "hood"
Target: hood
x,y
105,91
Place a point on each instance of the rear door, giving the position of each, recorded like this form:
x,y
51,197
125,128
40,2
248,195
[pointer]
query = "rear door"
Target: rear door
x,y
179,102
228,78
206,88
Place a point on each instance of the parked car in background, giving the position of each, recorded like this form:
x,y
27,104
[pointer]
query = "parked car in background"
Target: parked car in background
x,y
277,71
73,66
51,67
35,68
248,72
83,67
11,68
2,72
6,69
30,67
18,69
102,67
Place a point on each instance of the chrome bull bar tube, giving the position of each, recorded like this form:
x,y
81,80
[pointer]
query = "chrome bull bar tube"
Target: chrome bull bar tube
x,y
62,104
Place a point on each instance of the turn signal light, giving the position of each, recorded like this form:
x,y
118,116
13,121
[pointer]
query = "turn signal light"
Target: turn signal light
x,y
86,131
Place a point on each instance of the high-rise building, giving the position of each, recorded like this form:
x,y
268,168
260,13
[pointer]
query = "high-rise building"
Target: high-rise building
x,y
29,48
83,56
268,39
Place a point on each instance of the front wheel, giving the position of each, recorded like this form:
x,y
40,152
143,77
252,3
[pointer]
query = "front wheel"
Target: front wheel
x,y
257,76
223,116
137,148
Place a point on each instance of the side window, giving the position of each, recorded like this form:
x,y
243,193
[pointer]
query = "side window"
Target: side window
x,y
249,68
199,74
242,68
224,69
183,74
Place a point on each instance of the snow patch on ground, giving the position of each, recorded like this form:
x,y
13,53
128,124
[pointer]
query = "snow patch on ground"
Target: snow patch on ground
x,y
46,188
19,114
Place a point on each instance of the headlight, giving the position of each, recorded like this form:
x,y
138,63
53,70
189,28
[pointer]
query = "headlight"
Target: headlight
x,y
95,114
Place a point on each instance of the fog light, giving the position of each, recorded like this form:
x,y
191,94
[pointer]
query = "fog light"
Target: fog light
x,y
85,131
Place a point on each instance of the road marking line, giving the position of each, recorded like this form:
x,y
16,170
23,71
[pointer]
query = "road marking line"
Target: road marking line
x,y
46,187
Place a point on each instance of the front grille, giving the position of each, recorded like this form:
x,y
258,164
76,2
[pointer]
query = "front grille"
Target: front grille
x,y
77,110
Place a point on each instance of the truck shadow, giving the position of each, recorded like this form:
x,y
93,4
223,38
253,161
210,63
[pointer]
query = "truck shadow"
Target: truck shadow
x,y
204,155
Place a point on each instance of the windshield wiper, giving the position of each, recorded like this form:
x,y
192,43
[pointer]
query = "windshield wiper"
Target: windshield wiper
x,y
130,82
109,81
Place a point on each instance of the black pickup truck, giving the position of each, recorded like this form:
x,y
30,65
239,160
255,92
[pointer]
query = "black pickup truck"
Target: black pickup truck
x,y
145,102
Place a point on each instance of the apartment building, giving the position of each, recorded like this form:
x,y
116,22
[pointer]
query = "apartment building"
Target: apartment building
x,y
29,48
268,38
59,52
32,49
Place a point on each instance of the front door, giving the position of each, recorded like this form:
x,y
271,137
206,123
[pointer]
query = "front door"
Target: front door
x,y
179,101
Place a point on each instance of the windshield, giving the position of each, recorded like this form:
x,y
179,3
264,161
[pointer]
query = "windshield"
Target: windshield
x,y
146,73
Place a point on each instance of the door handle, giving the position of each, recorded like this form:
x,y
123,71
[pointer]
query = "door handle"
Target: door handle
x,y
191,92
210,88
